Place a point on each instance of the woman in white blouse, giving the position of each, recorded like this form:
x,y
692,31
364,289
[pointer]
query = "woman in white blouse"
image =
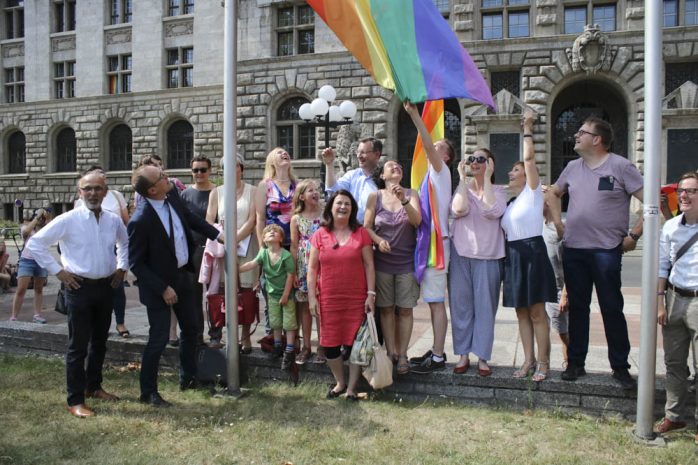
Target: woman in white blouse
x,y
529,281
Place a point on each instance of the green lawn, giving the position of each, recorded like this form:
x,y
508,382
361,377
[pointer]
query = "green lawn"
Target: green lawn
x,y
276,424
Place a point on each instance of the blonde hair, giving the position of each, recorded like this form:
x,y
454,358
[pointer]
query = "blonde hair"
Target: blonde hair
x,y
301,187
270,169
273,227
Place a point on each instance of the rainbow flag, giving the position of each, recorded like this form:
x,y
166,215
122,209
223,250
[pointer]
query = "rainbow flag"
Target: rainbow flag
x,y
430,245
407,47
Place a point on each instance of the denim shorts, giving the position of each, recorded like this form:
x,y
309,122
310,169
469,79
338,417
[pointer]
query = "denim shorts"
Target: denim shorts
x,y
28,267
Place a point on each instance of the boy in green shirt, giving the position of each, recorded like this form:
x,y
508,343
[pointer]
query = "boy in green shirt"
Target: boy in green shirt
x,y
279,271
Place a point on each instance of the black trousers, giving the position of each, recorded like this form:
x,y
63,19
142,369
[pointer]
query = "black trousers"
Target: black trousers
x,y
89,318
158,335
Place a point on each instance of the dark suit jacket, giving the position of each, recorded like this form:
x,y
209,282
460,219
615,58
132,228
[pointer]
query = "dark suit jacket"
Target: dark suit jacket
x,y
151,254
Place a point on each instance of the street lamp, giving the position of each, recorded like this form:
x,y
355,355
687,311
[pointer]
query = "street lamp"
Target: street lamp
x,y
321,113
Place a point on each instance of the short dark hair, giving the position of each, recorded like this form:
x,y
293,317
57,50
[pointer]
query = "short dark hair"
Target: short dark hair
x,y
201,158
376,145
94,168
328,219
149,160
602,128
451,151
140,182
689,175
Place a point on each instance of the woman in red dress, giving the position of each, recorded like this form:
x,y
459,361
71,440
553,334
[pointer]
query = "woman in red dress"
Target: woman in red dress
x,y
341,285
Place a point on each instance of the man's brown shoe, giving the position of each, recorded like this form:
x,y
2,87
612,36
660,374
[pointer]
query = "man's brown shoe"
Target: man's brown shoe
x,y
666,426
101,394
80,411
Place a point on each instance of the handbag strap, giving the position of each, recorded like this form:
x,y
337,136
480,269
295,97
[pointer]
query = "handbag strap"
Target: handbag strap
x,y
373,331
684,248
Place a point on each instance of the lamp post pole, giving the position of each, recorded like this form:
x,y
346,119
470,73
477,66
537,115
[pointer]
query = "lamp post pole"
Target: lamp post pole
x,y
321,113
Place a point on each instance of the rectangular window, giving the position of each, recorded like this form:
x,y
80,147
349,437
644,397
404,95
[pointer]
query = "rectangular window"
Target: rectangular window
x,y
509,80
681,149
119,74
14,19
492,3
64,79
671,13
575,19
121,11
691,12
518,24
506,146
180,67
605,17
444,6
64,15
492,26
180,7
295,30
675,74
14,84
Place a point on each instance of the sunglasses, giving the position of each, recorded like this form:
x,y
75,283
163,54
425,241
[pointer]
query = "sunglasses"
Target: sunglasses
x,y
199,170
472,159
688,190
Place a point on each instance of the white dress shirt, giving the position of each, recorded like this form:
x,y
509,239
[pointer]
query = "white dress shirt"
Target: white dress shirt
x,y
674,235
360,185
87,245
180,238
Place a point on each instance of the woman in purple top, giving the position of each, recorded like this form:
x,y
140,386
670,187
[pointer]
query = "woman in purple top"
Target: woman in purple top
x,y
392,214
475,269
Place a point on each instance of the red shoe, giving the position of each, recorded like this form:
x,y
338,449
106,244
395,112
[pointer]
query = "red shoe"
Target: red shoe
x,y
666,426
484,372
461,369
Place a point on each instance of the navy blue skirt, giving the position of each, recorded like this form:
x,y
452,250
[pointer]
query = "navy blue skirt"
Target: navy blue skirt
x,y
528,274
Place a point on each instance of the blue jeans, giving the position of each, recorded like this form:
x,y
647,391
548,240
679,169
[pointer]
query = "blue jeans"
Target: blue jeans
x,y
585,268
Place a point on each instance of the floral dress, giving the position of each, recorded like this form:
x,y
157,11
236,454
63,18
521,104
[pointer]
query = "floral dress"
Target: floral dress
x,y
279,209
306,229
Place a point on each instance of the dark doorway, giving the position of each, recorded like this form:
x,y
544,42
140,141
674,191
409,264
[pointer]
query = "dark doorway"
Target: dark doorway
x,y
407,137
576,103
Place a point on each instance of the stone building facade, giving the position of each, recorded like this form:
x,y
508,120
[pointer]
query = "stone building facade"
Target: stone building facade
x,y
109,81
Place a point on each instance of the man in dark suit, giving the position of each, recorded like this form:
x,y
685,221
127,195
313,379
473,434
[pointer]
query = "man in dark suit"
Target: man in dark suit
x,y
160,253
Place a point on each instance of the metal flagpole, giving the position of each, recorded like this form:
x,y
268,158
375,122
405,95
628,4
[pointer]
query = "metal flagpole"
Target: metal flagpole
x,y
650,250
229,190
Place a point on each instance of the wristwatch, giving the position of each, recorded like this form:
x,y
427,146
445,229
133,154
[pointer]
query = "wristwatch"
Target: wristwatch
x,y
633,236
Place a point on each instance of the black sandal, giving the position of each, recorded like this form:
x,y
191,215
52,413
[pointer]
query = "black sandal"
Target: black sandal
x,y
332,394
125,334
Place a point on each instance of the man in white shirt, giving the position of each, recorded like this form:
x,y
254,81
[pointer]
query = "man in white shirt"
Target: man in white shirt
x,y
678,314
90,271
360,180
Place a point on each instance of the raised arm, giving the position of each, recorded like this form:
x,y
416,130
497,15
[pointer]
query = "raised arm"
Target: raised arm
x,y
328,160
529,152
460,206
434,158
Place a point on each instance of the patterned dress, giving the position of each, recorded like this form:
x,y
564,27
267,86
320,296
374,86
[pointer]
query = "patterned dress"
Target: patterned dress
x,y
306,229
279,209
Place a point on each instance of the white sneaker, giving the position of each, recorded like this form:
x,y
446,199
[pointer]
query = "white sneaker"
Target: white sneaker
x,y
39,319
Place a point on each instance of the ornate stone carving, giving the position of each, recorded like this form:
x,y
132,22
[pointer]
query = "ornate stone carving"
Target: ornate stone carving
x,y
179,28
118,36
13,50
591,51
59,44
347,145
683,98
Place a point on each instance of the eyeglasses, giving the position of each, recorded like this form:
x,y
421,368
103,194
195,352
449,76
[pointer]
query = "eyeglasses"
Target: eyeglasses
x,y
199,170
160,178
581,132
688,190
472,159
96,189
365,152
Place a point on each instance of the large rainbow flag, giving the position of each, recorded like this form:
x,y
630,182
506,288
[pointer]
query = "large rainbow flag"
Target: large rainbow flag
x,y
430,245
672,197
407,46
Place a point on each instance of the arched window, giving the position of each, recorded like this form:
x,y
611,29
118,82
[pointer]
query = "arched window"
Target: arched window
x,y
291,132
120,148
16,152
65,151
180,144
